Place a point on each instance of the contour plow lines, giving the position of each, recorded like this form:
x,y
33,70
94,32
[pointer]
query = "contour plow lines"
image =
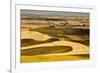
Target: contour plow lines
x,y
77,47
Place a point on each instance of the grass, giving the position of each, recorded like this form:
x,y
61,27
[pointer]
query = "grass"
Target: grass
x,y
33,59
57,31
28,42
36,54
46,50
62,33
86,42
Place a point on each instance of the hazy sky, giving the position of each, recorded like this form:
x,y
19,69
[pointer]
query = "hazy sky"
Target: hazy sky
x,y
51,13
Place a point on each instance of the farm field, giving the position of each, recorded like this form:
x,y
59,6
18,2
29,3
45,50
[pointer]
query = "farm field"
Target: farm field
x,y
47,38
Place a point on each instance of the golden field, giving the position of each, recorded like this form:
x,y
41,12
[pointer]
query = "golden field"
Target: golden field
x,y
54,38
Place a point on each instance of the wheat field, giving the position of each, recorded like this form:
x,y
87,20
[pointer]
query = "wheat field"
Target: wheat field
x,y
48,37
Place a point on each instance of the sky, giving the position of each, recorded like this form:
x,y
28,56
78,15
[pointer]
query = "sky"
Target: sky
x,y
51,13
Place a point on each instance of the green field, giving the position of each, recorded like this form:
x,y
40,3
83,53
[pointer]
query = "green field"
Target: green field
x,y
64,31
46,50
58,34
28,42
40,58
37,54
